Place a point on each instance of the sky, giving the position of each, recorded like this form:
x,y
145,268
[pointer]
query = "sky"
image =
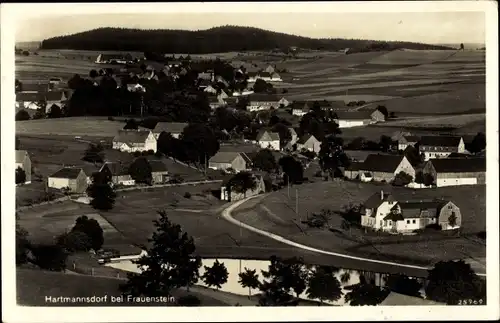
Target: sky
x,y
428,27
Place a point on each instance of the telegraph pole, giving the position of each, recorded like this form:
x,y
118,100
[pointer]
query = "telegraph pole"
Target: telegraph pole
x,y
297,202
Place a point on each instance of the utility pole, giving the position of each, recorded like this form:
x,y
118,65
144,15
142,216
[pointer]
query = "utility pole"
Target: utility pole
x,y
297,202
288,185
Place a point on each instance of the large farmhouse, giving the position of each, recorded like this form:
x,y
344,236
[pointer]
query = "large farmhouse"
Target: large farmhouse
x,y
456,171
259,102
440,146
72,178
134,140
228,160
354,119
268,139
384,212
384,167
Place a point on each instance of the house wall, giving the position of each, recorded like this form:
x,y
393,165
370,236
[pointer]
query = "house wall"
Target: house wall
x,y
406,167
436,154
238,196
380,176
455,179
150,142
274,145
461,146
213,165
367,220
297,112
378,116
351,123
239,164
159,177
351,174
382,211
410,224
58,183
123,180
445,213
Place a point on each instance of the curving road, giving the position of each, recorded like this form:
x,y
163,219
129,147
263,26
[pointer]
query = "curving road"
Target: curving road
x,y
226,214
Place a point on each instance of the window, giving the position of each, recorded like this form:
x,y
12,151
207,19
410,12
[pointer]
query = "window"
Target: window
x,y
450,207
390,222
414,221
381,222
407,221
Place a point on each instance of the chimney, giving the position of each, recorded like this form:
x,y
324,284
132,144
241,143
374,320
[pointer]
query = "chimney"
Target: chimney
x,y
382,195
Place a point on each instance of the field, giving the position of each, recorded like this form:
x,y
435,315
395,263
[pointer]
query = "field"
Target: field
x,y
276,213
74,126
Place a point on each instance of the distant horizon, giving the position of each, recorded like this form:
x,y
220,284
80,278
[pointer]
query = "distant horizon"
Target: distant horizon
x,y
419,27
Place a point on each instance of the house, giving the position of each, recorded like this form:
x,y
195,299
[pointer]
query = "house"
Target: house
x,y
268,139
385,167
36,100
456,171
440,146
23,161
113,58
300,108
73,178
210,89
159,172
118,173
309,142
228,194
135,88
259,102
283,102
361,155
174,128
209,76
269,69
352,171
134,140
275,77
406,141
349,119
225,160
383,211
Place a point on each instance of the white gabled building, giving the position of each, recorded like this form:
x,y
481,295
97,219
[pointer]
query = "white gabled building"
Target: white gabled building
x,y
268,139
134,140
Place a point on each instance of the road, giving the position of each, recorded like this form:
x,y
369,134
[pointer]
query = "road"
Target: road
x,y
351,262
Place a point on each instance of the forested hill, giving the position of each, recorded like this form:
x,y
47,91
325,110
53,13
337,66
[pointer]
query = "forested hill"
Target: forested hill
x,y
214,40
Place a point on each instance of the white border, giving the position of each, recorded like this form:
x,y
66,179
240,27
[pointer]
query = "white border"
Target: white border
x,y
13,313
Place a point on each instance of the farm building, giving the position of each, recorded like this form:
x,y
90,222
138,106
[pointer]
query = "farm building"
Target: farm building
x,y
118,173
361,155
440,146
258,102
36,100
385,212
113,58
456,171
134,140
229,194
73,178
228,160
159,171
352,171
385,167
348,119
406,141
268,139
309,142
300,108
23,161
173,128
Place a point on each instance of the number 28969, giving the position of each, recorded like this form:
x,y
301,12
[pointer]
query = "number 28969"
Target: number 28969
x,y
470,302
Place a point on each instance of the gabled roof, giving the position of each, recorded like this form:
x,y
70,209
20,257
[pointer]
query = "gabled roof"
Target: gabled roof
x,y
354,166
131,136
420,209
225,157
265,135
262,97
35,87
157,166
354,115
170,127
115,168
67,172
382,163
459,165
20,155
361,155
305,138
440,141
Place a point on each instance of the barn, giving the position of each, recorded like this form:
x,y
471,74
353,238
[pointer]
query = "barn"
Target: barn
x,y
385,167
457,171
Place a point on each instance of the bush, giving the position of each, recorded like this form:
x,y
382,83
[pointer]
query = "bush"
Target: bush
x,y
187,195
50,257
22,115
402,179
158,154
136,153
151,152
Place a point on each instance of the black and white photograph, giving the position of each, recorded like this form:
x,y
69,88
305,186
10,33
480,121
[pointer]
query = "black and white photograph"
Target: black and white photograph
x,y
219,155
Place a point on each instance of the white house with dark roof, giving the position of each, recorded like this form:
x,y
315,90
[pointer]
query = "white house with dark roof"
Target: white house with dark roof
x,y
118,173
456,171
268,139
407,140
440,146
351,119
72,178
383,211
261,101
224,160
385,167
159,171
23,161
134,140
309,142
174,128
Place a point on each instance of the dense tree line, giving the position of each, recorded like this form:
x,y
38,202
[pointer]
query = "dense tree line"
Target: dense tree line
x,y
212,40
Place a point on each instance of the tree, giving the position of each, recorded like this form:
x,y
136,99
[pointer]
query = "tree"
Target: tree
x,y
385,143
452,281
383,110
262,86
18,85
365,294
345,277
74,241
94,153
402,179
50,257
92,229
323,285
140,170
20,175
168,263
249,278
131,125
264,160
22,245
452,220
242,182
75,82
412,154
55,112
293,169
462,47
102,194
478,143
401,284
216,275
17,143
93,74
332,156
199,142
22,115
284,133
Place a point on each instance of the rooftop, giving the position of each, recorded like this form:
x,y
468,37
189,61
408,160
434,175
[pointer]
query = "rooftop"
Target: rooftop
x,y
224,157
382,163
157,166
171,127
440,141
67,172
459,165
131,136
